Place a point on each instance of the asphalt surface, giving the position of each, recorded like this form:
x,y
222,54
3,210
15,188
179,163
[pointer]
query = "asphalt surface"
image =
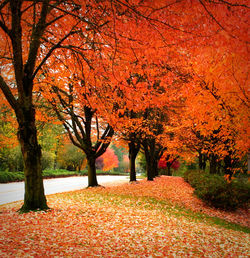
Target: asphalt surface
x,y
12,192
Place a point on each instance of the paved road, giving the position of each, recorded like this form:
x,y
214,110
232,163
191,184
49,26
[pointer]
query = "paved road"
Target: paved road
x,y
15,191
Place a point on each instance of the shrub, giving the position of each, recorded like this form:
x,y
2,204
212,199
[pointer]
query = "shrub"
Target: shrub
x,y
217,192
194,177
243,191
6,177
185,175
51,173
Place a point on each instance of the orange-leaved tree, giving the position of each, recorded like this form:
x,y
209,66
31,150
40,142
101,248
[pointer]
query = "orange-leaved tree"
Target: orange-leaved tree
x,y
31,31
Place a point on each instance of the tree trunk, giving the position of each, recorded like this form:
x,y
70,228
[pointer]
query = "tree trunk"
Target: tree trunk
x,y
34,197
92,179
133,151
150,171
202,161
169,169
213,164
132,168
149,165
228,166
151,159
155,166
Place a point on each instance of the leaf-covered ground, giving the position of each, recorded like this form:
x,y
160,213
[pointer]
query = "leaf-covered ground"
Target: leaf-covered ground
x,y
177,191
148,219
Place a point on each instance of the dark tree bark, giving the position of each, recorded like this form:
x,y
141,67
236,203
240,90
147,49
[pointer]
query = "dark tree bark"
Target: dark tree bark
x,y
133,151
213,164
92,179
149,166
34,197
132,171
153,153
169,169
155,165
202,160
229,164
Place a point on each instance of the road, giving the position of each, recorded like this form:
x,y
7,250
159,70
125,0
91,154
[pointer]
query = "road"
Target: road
x,y
15,191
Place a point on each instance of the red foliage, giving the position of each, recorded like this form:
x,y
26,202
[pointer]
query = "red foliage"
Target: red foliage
x,y
162,164
110,160
175,165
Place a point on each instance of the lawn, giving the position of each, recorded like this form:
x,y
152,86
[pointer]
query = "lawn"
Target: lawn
x,y
148,219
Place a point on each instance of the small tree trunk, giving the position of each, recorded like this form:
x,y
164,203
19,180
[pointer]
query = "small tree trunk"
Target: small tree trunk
x,y
169,169
56,154
151,162
204,162
34,197
200,160
150,172
92,179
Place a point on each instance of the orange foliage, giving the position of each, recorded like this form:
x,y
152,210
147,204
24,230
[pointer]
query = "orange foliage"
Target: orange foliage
x,y
180,45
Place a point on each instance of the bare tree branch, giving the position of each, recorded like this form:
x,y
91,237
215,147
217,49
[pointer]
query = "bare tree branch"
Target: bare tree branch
x,y
7,93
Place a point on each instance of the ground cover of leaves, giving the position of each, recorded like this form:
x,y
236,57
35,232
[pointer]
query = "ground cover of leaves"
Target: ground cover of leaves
x,y
148,219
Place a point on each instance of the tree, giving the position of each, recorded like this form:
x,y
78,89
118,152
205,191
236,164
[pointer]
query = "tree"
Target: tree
x,y
71,158
149,35
77,118
26,45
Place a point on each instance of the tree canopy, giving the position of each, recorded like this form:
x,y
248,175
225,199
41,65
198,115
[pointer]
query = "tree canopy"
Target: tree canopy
x,y
180,66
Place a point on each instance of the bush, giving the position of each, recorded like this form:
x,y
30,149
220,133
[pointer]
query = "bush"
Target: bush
x,y
217,192
194,177
243,191
6,177
50,173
